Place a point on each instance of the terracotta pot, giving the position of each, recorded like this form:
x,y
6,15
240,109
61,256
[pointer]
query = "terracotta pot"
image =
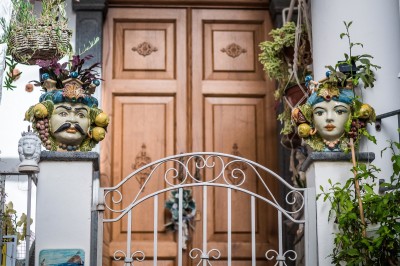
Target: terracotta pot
x,y
295,95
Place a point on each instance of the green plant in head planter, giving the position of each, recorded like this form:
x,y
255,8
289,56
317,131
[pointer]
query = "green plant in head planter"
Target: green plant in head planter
x,y
333,114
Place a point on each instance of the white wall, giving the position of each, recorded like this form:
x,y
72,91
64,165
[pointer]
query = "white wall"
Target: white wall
x,y
376,24
14,103
12,109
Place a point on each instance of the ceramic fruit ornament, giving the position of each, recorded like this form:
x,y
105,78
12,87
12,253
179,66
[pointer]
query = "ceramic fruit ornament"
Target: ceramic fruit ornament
x,y
331,116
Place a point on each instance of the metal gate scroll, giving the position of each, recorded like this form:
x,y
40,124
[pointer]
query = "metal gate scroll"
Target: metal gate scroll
x,y
181,172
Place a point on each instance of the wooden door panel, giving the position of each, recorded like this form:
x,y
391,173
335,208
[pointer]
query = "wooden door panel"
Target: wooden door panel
x,y
235,126
144,92
231,50
236,107
144,50
147,135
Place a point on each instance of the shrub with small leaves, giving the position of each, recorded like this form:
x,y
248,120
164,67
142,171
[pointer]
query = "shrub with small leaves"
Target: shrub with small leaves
x,y
352,247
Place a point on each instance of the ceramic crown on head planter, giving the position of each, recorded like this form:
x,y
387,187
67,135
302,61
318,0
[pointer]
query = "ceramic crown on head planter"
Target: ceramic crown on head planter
x,y
332,115
67,117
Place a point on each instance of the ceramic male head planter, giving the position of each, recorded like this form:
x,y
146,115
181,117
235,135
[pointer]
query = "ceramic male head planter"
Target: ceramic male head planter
x,y
331,116
66,117
29,152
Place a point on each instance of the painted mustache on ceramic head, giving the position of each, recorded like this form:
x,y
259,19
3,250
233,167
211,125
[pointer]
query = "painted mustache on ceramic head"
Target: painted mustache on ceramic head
x,y
68,125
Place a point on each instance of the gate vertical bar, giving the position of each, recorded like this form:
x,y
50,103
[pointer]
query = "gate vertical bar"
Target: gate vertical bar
x,y
180,227
155,230
310,234
100,224
229,227
253,231
28,218
280,236
205,223
129,237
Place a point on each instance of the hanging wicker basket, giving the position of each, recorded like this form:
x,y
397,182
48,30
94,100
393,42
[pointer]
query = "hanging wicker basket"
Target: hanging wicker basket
x,y
44,42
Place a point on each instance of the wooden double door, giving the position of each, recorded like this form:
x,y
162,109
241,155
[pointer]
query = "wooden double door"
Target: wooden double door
x,y
182,80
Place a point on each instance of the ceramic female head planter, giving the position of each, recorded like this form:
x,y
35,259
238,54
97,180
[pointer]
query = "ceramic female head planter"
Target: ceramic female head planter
x,y
331,116
29,152
66,117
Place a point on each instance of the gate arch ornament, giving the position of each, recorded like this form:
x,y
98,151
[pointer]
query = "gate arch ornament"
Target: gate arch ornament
x,y
181,172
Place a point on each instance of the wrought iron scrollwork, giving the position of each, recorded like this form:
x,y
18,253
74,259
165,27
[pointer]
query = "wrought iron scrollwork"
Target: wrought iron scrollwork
x,y
204,256
280,257
129,260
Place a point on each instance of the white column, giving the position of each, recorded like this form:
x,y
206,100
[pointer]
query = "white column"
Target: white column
x,y
319,168
376,24
64,203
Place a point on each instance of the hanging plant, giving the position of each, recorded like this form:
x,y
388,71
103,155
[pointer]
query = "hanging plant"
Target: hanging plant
x,y
287,58
30,38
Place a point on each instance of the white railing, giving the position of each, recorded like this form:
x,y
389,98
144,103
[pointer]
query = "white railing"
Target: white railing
x,y
220,170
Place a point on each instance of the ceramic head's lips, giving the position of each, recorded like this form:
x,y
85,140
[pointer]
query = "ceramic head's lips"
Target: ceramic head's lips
x,y
330,127
71,130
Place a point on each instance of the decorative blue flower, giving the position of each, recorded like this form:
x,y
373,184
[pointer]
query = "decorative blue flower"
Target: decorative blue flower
x,y
45,76
328,73
74,74
96,82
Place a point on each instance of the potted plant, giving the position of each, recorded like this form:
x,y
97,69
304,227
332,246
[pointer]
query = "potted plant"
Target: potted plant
x,y
339,86
30,37
355,206
288,65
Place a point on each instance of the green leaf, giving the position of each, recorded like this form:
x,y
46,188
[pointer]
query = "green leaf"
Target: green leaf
x,y
353,252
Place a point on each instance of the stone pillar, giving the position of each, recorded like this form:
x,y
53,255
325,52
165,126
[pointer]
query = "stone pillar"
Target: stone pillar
x,y
65,217
376,24
319,168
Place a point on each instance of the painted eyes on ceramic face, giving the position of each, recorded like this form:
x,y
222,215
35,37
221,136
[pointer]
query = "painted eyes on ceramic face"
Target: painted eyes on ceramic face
x,y
65,114
81,115
341,111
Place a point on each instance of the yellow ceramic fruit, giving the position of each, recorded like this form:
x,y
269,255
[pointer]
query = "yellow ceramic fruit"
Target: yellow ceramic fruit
x,y
102,120
27,116
304,130
366,111
98,133
40,111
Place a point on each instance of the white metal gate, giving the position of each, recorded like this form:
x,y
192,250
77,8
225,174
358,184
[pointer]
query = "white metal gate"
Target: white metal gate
x,y
227,171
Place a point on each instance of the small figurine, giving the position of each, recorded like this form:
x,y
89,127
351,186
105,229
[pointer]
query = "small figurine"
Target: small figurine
x,y
29,152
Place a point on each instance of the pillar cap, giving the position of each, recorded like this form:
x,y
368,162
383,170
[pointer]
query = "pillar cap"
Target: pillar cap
x,y
56,156
335,157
